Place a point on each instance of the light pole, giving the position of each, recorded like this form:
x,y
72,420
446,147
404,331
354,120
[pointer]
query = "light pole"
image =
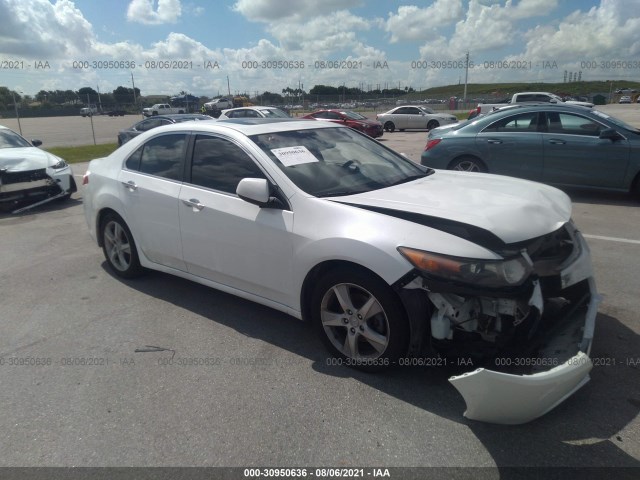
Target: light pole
x,y
15,106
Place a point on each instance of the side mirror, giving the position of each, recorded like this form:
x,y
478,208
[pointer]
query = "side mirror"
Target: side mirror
x,y
258,192
609,134
254,190
36,143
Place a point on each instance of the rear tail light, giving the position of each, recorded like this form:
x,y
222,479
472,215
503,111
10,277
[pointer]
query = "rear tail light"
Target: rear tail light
x,y
85,178
432,143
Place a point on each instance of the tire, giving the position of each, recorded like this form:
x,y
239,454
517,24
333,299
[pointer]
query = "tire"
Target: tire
x,y
432,124
119,247
368,328
389,127
468,164
154,113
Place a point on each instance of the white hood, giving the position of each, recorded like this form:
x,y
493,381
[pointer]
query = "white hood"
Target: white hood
x,y
510,208
27,158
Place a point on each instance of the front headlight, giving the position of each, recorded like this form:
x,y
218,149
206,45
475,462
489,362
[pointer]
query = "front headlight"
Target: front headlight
x,y
59,164
485,273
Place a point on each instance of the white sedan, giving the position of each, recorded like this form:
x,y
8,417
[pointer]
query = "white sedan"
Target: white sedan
x,y
29,176
395,264
253,112
413,117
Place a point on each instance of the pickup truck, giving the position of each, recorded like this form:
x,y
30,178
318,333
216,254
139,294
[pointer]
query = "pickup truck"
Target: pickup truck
x,y
529,97
89,111
161,109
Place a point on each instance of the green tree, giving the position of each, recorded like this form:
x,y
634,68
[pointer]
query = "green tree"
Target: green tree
x,y
124,95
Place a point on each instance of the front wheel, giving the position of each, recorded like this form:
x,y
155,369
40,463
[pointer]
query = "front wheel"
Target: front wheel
x,y
119,247
468,164
432,124
359,319
389,127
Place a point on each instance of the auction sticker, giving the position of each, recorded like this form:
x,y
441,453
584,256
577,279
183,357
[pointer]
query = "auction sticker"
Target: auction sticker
x,y
290,156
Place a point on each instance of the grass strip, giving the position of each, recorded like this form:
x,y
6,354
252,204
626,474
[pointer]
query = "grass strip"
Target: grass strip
x,y
83,153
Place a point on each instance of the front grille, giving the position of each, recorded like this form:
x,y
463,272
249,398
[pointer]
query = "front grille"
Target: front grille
x,y
548,252
556,246
7,178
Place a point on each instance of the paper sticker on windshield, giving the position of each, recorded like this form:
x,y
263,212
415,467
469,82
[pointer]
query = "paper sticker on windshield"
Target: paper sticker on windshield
x,y
290,156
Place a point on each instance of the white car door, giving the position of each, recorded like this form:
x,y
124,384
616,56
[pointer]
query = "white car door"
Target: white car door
x,y
400,118
416,118
151,182
226,239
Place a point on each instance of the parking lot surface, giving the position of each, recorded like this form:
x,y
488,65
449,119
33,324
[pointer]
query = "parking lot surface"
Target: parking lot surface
x,y
159,371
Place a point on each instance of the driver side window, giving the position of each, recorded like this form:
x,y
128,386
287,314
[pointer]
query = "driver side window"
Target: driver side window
x,y
219,164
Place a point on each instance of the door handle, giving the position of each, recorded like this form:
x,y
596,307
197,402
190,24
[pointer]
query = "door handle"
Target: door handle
x,y
556,141
193,203
131,185
494,141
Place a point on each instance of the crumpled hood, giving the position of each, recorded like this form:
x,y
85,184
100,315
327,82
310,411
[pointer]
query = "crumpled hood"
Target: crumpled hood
x,y
27,158
512,209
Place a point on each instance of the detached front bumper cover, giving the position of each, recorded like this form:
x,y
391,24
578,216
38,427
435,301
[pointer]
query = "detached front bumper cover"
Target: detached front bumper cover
x,y
515,399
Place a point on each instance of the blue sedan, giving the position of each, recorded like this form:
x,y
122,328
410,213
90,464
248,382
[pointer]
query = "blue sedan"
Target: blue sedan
x,y
556,144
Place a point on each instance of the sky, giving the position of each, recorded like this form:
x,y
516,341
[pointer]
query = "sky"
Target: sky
x,y
211,48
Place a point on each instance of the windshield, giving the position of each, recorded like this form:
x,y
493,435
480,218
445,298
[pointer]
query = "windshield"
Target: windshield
x,y
274,112
336,161
9,139
353,115
616,121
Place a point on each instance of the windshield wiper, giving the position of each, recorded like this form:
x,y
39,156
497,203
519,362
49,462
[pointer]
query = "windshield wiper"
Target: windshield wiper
x,y
339,193
411,178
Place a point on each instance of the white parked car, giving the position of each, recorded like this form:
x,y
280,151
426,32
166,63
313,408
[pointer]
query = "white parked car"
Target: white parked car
x,y
625,99
393,263
219,104
253,112
413,117
29,176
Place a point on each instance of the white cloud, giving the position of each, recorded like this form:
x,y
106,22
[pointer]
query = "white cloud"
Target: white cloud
x,y
305,30
142,11
488,27
279,10
605,32
414,23
37,28
320,35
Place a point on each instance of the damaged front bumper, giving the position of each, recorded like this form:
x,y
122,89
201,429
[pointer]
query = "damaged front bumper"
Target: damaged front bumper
x,y
31,188
512,399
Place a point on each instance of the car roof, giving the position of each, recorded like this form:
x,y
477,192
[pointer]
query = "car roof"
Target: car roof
x,y
251,126
252,107
177,116
543,105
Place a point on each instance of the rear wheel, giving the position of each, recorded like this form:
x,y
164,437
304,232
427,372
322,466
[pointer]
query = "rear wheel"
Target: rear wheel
x,y
389,126
468,164
359,319
119,247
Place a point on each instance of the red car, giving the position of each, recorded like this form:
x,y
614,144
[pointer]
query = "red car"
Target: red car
x,y
373,128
